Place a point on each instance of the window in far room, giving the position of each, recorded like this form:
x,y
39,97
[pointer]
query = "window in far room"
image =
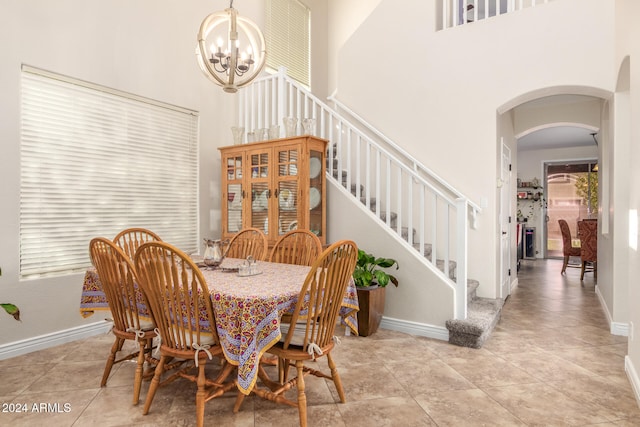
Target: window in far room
x,y
288,29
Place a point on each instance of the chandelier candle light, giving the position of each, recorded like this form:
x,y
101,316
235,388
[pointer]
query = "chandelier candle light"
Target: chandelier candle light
x,y
238,60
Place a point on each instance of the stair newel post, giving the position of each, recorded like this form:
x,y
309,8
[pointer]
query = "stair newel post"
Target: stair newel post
x,y
461,258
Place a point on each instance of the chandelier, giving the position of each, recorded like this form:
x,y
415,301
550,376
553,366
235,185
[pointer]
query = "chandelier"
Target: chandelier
x,y
231,49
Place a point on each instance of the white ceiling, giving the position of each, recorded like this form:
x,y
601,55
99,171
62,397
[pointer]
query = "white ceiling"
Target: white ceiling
x,y
557,137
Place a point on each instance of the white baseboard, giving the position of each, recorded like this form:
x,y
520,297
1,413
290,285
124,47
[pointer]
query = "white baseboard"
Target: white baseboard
x,y
616,328
632,374
18,348
415,328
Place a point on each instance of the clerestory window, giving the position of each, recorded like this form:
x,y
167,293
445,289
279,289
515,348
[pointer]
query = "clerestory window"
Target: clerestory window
x,y
288,29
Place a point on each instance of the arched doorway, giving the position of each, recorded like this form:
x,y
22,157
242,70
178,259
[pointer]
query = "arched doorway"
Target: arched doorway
x,y
540,118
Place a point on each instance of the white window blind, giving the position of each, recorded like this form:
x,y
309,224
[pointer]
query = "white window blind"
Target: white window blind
x,y
288,38
95,161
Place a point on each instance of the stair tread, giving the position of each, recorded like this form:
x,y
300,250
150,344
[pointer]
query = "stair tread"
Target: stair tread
x,y
482,316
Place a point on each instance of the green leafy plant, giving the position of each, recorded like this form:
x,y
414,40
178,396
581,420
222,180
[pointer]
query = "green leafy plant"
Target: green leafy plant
x,y
587,189
11,309
370,270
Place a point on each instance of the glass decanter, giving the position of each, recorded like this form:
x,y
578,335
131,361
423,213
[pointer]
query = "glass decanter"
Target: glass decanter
x,y
213,252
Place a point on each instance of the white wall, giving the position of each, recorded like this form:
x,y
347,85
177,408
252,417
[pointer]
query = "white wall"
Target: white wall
x,y
418,298
437,93
344,17
627,36
145,47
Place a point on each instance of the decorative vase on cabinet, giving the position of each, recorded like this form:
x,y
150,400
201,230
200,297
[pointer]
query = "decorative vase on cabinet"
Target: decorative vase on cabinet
x,y
276,186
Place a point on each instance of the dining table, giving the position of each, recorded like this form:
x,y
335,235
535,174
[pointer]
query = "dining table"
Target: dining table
x,y
248,308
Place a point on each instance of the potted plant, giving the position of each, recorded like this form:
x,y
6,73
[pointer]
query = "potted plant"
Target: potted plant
x,y
371,279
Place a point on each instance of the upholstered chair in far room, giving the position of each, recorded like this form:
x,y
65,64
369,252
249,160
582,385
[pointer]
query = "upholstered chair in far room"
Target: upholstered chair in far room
x,y
248,242
119,283
315,316
588,232
568,250
300,247
182,308
130,239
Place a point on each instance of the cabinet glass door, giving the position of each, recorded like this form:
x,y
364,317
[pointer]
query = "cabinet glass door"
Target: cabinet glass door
x,y
234,193
259,187
287,189
316,171
234,207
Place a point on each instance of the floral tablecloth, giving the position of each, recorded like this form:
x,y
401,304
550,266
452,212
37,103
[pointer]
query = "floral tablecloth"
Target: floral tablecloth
x,y
247,309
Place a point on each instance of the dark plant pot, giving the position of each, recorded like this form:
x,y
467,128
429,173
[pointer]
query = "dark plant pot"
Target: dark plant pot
x,y
371,302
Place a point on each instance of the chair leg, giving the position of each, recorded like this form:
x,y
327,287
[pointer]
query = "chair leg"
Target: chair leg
x,y
117,345
239,400
283,370
584,265
153,387
201,395
336,378
565,262
137,382
302,397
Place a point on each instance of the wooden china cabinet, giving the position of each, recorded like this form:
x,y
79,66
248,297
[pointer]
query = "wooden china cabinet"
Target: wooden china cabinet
x,y
276,186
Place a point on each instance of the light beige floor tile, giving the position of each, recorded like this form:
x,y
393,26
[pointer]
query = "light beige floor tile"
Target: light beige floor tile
x,y
16,379
323,415
598,360
490,371
432,376
613,397
69,376
503,342
542,405
366,382
466,408
546,366
387,412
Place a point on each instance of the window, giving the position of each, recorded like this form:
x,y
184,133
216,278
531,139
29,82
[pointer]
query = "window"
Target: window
x,y
288,38
95,161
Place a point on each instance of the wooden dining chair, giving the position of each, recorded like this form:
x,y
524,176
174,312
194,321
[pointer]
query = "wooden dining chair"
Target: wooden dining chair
x,y
300,247
130,239
316,312
248,242
182,308
588,232
568,250
119,283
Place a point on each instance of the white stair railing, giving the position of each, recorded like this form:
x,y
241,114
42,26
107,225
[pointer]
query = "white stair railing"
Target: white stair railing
x,y
425,212
459,12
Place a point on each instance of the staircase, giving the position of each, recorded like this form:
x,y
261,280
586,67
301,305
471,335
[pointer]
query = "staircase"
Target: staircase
x,y
482,313
426,213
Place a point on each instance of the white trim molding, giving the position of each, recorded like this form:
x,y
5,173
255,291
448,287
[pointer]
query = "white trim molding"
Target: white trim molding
x,y
632,374
616,328
415,328
18,348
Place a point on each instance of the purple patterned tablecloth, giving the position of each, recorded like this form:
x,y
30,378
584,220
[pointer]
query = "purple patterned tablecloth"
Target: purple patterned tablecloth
x,y
247,309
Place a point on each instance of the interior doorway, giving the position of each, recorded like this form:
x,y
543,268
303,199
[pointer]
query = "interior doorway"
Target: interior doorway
x,y
572,195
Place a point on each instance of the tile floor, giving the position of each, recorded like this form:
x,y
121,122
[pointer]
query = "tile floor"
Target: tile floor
x,y
550,362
